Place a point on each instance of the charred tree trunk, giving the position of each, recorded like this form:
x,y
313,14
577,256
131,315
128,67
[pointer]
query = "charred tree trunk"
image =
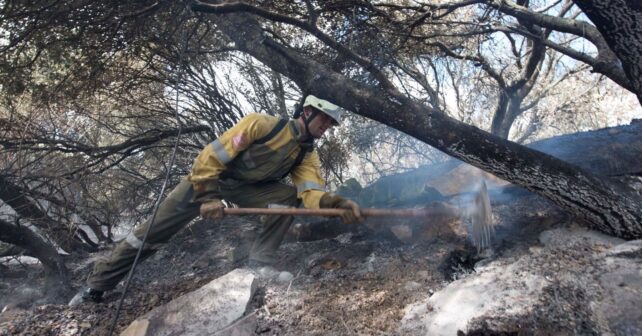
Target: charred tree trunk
x,y
613,151
512,96
497,125
508,109
55,270
620,23
15,197
95,226
13,250
92,247
605,205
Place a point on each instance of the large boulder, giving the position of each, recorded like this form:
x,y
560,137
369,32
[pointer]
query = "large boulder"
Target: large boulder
x,y
205,311
576,281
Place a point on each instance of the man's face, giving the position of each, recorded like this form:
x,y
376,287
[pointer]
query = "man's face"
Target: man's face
x,y
321,123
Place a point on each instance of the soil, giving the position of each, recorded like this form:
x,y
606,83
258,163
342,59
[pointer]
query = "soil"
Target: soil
x,y
355,283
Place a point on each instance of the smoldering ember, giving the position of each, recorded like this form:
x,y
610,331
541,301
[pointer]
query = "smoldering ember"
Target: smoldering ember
x,y
326,167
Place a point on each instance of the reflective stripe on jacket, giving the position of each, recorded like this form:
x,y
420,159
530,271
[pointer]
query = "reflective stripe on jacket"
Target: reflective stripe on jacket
x,y
236,155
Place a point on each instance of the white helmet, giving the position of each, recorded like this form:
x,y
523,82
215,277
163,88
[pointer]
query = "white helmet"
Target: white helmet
x,y
333,111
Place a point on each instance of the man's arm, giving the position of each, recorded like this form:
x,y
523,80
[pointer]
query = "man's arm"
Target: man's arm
x,y
307,180
212,160
310,188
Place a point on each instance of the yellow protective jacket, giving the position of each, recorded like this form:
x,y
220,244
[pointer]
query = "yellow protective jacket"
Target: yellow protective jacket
x,y
237,155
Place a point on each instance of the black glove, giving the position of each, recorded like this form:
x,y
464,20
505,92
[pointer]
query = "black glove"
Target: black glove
x,y
330,200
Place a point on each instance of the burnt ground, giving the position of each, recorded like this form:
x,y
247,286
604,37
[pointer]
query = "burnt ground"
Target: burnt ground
x,y
356,283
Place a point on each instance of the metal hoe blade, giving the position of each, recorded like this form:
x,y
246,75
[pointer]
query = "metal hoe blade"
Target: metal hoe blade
x,y
481,217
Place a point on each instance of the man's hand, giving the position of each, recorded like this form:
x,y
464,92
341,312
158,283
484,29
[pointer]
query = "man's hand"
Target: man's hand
x,y
330,200
353,216
212,209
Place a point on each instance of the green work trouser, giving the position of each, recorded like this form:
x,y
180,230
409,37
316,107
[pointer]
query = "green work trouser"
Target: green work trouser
x,y
179,208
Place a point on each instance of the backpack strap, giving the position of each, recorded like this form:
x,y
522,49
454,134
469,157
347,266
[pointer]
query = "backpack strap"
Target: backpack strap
x,y
277,128
306,147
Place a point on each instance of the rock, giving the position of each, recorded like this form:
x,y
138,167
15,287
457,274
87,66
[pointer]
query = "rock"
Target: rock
x,y
566,236
412,286
370,262
402,232
206,310
629,247
243,327
267,272
344,238
285,277
622,280
571,285
160,255
450,310
137,328
201,263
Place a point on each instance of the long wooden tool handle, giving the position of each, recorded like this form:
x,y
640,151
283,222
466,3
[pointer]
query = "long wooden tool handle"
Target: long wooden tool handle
x,y
367,212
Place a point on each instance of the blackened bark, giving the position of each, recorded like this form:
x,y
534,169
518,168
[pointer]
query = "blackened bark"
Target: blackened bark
x,y
605,206
96,228
620,23
613,151
500,113
606,62
55,269
91,246
512,96
15,197
507,110
13,250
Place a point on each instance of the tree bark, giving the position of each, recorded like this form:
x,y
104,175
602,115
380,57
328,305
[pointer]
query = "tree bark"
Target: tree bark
x,y
15,197
605,205
512,96
13,250
55,270
613,151
607,62
620,23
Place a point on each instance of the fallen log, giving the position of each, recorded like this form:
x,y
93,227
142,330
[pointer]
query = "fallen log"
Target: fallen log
x,y
612,151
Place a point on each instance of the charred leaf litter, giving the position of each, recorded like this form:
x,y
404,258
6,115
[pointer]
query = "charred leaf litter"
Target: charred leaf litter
x,y
356,280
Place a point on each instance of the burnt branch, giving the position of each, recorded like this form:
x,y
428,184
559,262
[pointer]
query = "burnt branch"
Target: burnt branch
x,y
146,139
55,269
304,25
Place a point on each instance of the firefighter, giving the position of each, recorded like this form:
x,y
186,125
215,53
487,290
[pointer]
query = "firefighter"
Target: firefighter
x,y
244,166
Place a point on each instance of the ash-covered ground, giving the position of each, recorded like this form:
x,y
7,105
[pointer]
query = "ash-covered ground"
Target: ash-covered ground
x,y
364,281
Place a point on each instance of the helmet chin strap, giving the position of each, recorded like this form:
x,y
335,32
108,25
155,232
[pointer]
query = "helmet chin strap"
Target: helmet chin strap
x,y
307,121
